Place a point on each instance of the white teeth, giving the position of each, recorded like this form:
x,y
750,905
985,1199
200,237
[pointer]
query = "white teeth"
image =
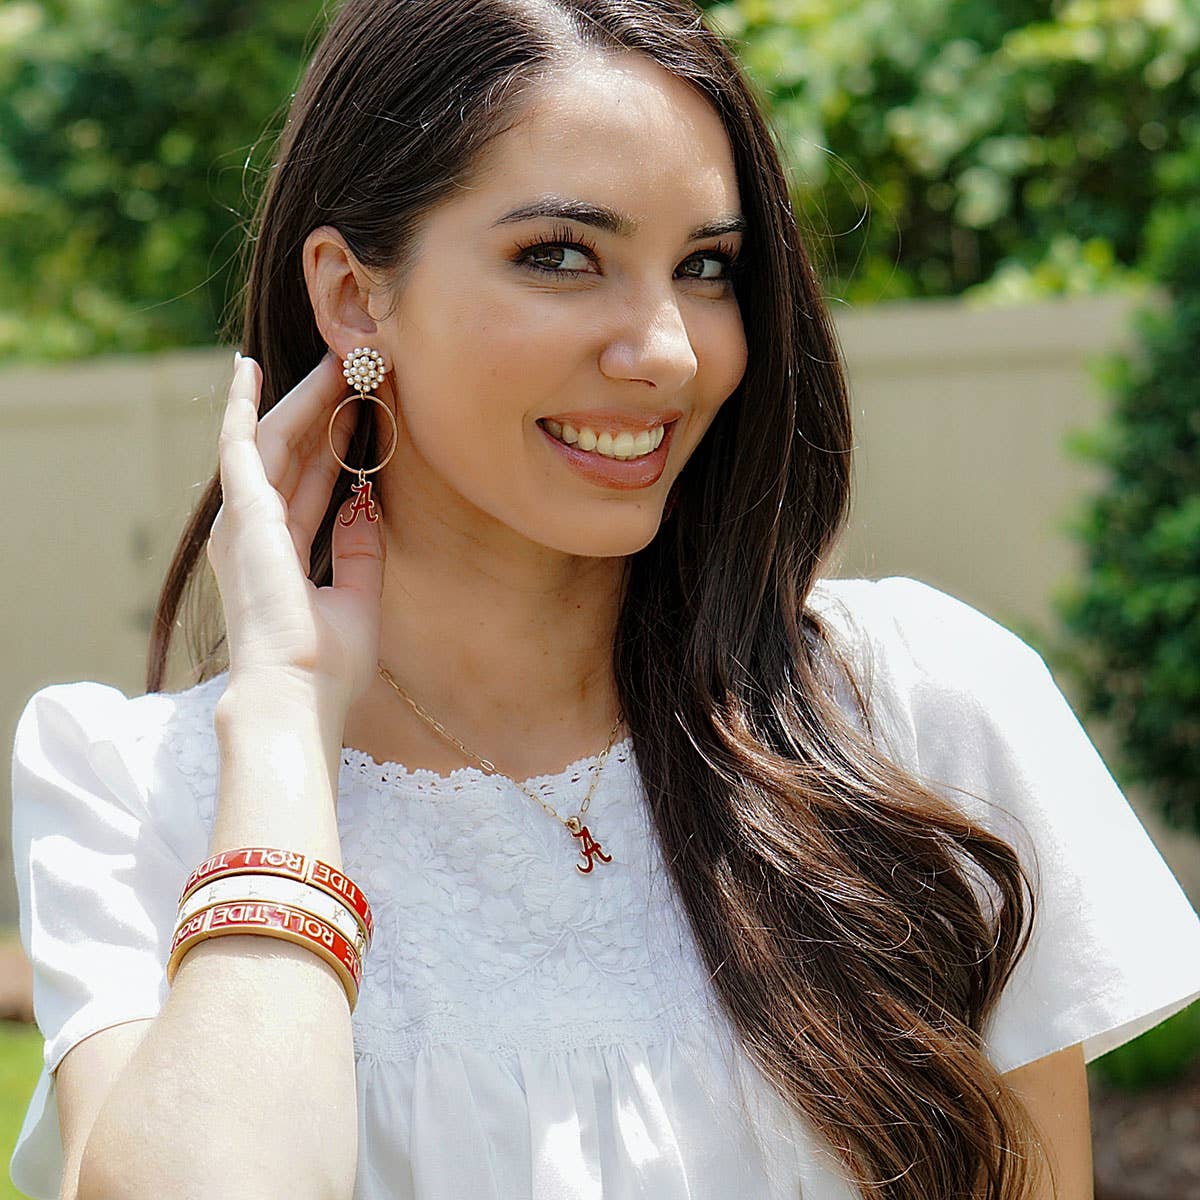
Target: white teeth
x,y
621,446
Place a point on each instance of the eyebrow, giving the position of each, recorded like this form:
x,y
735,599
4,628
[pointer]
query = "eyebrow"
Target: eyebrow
x,y
609,219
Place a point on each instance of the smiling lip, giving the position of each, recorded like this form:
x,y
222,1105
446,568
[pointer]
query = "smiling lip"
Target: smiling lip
x,y
614,472
614,420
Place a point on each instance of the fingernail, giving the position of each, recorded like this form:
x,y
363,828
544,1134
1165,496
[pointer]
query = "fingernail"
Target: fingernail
x,y
237,359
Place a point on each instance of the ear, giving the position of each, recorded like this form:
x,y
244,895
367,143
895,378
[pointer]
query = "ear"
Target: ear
x,y
340,290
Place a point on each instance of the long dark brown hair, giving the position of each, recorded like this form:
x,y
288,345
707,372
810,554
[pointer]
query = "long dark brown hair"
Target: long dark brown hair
x,y
804,858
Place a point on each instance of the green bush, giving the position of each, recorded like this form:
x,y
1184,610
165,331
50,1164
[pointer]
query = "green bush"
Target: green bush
x,y
131,132
20,1064
1160,1055
1134,615
964,147
1132,619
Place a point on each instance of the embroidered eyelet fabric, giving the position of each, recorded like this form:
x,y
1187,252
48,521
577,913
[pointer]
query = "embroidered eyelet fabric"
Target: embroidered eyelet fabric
x,y
525,1030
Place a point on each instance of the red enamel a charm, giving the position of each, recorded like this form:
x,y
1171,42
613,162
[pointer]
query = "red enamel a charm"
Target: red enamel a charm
x,y
362,503
591,849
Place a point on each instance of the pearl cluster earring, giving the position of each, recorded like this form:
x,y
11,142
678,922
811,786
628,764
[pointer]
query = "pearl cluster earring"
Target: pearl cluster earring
x,y
363,369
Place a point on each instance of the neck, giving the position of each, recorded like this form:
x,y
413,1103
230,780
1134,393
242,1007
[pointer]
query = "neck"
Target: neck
x,y
513,655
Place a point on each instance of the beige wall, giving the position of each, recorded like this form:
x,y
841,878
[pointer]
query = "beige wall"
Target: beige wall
x,y
960,474
961,478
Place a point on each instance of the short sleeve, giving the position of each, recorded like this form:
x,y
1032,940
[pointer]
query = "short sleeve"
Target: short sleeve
x,y
1115,947
98,876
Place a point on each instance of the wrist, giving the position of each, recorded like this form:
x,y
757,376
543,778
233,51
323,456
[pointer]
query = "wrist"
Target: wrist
x,y
282,722
279,699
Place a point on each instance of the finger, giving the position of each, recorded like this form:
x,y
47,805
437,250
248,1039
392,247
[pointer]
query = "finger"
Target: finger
x,y
294,426
318,474
358,553
243,477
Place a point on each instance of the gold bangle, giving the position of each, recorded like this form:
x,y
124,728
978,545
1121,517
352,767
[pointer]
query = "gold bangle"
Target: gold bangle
x,y
226,918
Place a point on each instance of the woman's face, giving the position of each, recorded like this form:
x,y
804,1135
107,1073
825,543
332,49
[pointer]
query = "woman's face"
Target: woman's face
x,y
506,318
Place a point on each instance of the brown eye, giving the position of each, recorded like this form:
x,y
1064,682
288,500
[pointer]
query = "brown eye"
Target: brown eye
x,y
552,255
725,265
552,249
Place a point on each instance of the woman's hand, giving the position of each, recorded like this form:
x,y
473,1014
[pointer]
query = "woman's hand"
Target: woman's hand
x,y
277,476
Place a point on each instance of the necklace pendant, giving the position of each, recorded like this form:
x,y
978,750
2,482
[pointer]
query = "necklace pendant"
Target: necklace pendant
x,y
590,849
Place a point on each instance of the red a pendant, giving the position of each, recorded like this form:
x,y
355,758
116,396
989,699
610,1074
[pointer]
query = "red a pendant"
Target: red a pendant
x,y
589,849
362,504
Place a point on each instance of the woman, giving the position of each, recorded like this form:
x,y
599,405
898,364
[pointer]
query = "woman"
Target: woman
x,y
771,930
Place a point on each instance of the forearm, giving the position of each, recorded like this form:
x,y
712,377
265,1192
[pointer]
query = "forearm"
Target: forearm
x,y
250,1020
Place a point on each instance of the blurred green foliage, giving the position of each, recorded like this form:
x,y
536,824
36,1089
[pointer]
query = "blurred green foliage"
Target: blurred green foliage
x,y
964,147
1134,614
1162,1054
124,127
938,147
21,1049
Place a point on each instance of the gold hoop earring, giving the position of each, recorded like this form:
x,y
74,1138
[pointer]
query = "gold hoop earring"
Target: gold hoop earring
x,y
363,368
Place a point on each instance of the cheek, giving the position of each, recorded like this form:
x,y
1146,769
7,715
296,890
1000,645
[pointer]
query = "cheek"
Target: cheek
x,y
486,363
725,359
506,352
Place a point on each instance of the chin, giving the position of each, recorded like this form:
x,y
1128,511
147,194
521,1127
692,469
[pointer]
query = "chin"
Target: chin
x,y
638,533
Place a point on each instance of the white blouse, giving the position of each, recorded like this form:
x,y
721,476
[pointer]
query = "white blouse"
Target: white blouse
x,y
524,1030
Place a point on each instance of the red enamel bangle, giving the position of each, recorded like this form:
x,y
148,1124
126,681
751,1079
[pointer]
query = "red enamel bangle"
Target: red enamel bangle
x,y
272,920
265,860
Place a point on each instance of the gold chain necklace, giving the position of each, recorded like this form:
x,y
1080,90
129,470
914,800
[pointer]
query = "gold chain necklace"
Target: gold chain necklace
x,y
589,848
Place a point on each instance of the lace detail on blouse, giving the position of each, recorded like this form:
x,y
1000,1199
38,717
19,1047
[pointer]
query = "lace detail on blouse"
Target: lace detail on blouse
x,y
486,935
433,785
192,742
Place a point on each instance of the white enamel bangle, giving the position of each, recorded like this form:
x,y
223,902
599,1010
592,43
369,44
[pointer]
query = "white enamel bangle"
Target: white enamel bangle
x,y
273,889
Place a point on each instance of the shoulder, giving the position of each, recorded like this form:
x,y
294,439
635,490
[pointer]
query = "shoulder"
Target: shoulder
x,y
89,742
86,713
933,670
915,623
106,826
61,717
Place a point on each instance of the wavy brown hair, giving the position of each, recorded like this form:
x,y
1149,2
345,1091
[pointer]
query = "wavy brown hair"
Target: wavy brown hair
x,y
858,928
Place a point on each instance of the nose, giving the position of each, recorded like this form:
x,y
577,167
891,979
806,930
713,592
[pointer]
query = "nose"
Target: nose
x,y
652,344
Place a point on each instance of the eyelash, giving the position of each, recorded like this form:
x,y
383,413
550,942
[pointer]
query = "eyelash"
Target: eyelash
x,y
564,237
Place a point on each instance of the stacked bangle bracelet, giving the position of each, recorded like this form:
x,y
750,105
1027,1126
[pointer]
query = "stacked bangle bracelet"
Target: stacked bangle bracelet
x,y
291,896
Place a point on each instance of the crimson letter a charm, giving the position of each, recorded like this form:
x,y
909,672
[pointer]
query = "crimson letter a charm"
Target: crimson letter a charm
x,y
590,849
362,504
